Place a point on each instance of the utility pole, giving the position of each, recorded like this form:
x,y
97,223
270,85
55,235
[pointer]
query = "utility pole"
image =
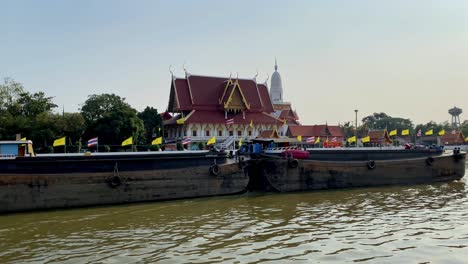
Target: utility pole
x,y
355,127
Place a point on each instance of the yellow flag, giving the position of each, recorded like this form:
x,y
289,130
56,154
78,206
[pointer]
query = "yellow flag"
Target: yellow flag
x,y
317,140
442,132
59,142
128,141
159,129
428,133
211,141
23,138
299,138
251,123
180,121
466,139
240,142
393,133
405,132
157,141
352,139
365,139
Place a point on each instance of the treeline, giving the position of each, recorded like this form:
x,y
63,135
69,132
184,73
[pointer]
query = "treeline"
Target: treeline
x,y
382,121
112,120
106,116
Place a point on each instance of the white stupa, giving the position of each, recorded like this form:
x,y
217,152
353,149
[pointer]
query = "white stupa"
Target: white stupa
x,y
276,90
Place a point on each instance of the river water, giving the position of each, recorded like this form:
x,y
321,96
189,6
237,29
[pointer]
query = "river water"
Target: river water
x,y
403,224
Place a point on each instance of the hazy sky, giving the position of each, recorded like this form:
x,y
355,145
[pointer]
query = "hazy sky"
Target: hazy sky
x,y
405,58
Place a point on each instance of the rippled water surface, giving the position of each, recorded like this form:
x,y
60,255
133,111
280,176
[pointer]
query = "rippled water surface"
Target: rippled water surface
x,y
405,224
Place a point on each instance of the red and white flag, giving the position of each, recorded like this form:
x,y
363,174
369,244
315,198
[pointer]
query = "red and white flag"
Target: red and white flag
x,y
454,132
333,139
419,133
230,121
310,140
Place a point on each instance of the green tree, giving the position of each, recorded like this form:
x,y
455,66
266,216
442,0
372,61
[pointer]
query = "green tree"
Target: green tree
x,y
110,118
152,122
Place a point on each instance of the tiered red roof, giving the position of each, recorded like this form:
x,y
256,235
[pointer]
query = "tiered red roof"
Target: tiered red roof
x,y
453,138
315,131
379,136
204,99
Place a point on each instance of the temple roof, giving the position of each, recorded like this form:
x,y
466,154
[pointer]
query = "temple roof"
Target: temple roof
x,y
217,117
213,93
315,131
453,138
379,136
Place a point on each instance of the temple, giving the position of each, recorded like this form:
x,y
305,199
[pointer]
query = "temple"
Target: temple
x,y
228,108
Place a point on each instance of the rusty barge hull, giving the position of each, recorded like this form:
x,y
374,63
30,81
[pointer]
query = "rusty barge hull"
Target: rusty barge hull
x,y
287,175
37,183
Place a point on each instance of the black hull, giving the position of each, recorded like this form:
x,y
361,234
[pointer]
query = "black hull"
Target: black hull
x,y
283,175
356,154
75,181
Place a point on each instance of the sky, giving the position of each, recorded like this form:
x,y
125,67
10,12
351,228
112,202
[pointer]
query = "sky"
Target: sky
x,y
405,58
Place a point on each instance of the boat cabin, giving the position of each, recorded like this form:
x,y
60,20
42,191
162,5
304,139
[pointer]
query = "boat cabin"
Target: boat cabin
x,y
16,148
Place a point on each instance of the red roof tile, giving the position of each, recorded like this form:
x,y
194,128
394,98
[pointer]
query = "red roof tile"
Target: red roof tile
x,y
315,131
204,93
217,117
450,138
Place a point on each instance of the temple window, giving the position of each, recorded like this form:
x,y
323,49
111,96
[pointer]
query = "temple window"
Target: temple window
x,y
220,133
231,133
207,133
239,133
194,133
250,133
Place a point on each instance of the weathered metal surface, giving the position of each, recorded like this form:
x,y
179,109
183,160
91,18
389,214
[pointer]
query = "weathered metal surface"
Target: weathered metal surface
x,y
283,176
32,184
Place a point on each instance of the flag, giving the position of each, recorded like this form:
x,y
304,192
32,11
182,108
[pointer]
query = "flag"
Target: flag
x,y
240,142
299,138
92,142
59,142
466,139
352,139
23,138
454,132
393,132
334,139
128,141
310,140
186,140
441,133
251,123
428,133
405,132
157,141
180,121
211,141
419,133
230,121
317,140
365,139
159,129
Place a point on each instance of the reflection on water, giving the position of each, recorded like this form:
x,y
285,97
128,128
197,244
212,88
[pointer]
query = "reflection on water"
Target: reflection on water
x,y
406,224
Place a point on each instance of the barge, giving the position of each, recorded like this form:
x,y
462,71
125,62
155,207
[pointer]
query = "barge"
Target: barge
x,y
30,182
347,169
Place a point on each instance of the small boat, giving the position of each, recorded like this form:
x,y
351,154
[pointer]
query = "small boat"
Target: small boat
x,y
33,182
330,169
